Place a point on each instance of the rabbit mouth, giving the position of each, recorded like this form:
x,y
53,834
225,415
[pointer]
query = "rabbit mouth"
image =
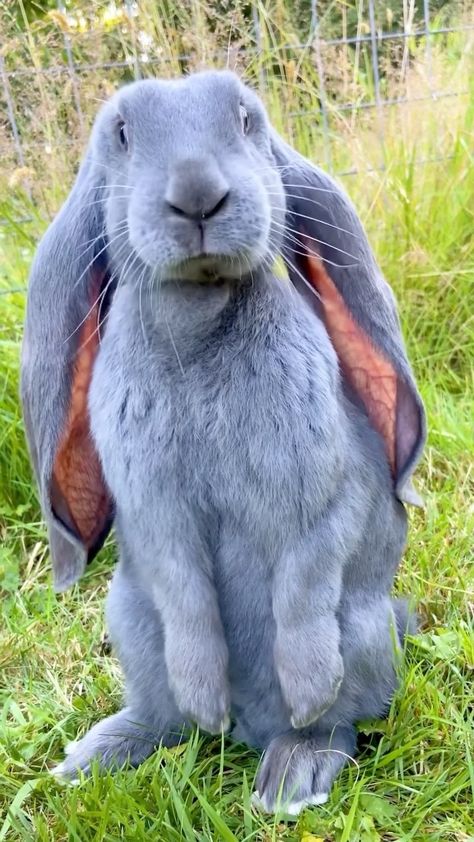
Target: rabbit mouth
x,y
212,269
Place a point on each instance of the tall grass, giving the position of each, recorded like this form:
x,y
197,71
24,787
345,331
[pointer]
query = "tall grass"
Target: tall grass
x,y
415,776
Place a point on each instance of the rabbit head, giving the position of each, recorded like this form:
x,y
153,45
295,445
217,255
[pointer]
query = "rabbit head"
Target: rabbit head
x,y
190,184
187,179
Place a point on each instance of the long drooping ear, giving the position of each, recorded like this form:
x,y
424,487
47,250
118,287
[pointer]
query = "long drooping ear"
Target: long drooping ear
x,y
327,251
68,285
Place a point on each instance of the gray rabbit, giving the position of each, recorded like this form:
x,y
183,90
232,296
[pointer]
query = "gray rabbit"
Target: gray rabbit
x,y
251,435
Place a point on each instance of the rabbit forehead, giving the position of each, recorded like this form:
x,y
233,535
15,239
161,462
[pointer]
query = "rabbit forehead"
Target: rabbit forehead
x,y
198,103
188,117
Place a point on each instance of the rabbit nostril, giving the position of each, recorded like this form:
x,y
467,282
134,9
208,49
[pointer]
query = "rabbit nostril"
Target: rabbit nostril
x,y
176,210
217,207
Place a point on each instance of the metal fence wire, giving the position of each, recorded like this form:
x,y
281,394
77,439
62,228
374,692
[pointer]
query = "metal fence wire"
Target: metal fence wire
x,y
23,140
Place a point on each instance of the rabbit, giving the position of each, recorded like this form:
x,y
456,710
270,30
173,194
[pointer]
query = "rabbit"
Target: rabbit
x,y
250,433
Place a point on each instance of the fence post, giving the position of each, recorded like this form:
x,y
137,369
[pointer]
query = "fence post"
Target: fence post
x,y
315,35
72,70
427,34
376,75
136,64
257,33
11,113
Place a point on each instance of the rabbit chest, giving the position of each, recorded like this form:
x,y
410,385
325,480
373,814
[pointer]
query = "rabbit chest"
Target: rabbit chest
x,y
226,403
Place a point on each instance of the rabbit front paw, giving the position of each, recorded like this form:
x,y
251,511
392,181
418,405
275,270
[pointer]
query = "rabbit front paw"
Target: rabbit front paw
x,y
310,689
203,696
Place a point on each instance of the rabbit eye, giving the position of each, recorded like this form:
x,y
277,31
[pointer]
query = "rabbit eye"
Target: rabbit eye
x,y
244,119
123,135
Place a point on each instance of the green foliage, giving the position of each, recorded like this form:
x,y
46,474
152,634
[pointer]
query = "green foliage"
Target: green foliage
x,y
25,12
414,778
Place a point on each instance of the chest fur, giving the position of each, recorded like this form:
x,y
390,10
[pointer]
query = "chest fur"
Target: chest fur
x,y
248,423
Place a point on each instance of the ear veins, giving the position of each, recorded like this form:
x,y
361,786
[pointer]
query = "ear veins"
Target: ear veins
x,y
367,370
78,493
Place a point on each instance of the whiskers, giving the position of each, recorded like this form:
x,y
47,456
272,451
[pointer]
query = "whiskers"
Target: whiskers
x,y
292,237
174,346
107,167
120,230
116,278
300,275
141,279
312,218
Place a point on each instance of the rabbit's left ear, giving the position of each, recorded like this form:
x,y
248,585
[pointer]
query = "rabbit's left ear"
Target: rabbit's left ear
x,y
327,253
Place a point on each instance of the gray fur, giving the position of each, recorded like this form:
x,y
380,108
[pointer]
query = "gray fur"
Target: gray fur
x,y
257,521
370,299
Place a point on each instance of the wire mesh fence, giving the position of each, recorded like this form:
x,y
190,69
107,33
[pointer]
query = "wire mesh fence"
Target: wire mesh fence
x,y
323,72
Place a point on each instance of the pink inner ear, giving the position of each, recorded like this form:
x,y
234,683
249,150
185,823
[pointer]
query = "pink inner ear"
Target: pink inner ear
x,y
79,495
369,373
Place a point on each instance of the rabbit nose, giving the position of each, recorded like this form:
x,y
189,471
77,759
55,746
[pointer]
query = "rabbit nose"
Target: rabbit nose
x,y
196,190
202,214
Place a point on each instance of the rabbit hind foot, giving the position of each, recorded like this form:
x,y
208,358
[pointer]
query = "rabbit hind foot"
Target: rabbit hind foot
x,y
119,740
298,768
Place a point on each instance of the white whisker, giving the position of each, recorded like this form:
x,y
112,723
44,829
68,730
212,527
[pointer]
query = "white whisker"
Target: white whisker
x,y
174,346
102,201
109,186
292,241
91,308
313,218
287,228
95,256
106,166
121,274
99,323
312,187
302,277
140,310
88,243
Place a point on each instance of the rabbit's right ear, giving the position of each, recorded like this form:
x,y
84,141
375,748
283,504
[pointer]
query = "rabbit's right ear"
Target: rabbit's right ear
x,y
66,308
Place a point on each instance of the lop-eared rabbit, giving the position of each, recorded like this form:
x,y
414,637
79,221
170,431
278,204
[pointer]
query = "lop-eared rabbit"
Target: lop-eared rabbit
x,y
250,432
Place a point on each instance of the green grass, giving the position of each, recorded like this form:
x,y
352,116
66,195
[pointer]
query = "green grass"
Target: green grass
x,y
414,778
